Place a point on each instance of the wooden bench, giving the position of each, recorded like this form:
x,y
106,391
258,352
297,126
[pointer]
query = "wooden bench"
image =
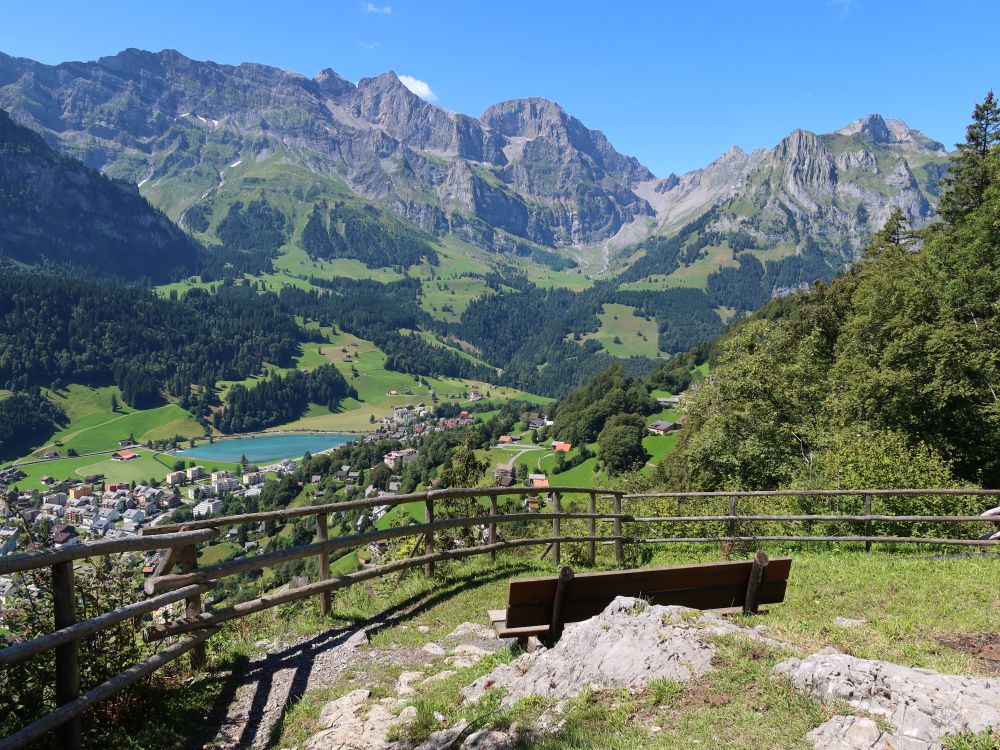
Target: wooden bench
x,y
541,606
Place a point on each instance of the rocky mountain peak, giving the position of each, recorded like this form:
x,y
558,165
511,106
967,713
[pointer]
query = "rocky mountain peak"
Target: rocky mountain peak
x,y
132,60
667,183
890,131
733,152
874,128
386,83
334,85
796,143
525,118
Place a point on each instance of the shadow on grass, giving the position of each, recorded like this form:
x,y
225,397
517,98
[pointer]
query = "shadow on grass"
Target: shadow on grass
x,y
247,727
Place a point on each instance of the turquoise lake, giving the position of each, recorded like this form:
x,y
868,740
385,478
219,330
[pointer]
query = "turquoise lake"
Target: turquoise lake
x,y
264,448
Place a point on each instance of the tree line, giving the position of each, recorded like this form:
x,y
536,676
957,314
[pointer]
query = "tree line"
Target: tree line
x,y
26,418
281,399
56,330
343,232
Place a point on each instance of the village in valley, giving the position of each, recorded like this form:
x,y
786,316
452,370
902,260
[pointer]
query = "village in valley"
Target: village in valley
x,y
68,510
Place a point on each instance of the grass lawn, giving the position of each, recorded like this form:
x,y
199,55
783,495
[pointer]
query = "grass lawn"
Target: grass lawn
x,y
906,603
149,465
93,426
150,424
217,553
659,446
623,334
373,383
665,415
296,262
137,470
446,297
693,275
580,476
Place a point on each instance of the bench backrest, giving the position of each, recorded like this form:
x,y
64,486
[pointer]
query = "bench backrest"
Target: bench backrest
x,y
705,586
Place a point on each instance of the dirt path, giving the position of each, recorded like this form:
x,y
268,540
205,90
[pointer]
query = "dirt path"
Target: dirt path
x,y
258,694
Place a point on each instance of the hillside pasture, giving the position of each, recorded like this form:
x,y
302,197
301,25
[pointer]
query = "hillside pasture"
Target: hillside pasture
x,y
93,426
374,382
624,334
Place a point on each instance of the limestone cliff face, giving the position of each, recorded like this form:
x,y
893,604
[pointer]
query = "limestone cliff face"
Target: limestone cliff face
x,y
525,171
151,117
831,190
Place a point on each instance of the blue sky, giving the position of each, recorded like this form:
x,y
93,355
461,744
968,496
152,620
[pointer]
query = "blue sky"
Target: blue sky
x,y
672,83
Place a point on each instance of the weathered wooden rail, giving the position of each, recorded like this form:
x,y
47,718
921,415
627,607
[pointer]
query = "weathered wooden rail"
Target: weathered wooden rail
x,y
178,545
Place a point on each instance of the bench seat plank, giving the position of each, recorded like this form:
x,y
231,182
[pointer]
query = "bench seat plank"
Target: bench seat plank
x,y
705,586
771,592
616,582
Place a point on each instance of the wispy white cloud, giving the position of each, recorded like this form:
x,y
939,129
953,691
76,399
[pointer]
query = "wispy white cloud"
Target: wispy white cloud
x,y
383,10
418,87
368,45
844,6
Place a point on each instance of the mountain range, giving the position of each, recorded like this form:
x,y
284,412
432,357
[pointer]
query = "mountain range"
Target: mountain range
x,y
524,177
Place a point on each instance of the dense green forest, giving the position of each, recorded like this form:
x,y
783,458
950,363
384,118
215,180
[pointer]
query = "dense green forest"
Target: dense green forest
x,y
887,376
281,399
27,417
376,312
343,232
55,330
525,332
581,415
751,284
257,227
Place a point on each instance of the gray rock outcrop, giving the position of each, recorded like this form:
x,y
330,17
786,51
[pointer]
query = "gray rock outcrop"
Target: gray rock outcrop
x,y
351,723
627,645
922,706
526,170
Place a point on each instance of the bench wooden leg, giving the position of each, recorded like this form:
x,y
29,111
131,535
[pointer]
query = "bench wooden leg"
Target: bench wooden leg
x,y
558,604
757,572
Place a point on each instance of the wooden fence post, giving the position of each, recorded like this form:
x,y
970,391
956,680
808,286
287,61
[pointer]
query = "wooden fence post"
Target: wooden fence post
x,y
731,526
617,506
493,526
868,523
429,537
187,562
68,655
592,530
556,508
322,534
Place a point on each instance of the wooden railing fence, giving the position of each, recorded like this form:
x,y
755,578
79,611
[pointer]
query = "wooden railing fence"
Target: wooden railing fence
x,y
178,543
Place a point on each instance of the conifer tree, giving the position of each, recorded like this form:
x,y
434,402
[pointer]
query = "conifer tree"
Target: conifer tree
x,y
895,234
969,176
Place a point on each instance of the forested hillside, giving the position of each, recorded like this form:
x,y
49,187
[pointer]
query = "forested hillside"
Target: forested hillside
x,y
281,399
55,331
55,211
887,376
